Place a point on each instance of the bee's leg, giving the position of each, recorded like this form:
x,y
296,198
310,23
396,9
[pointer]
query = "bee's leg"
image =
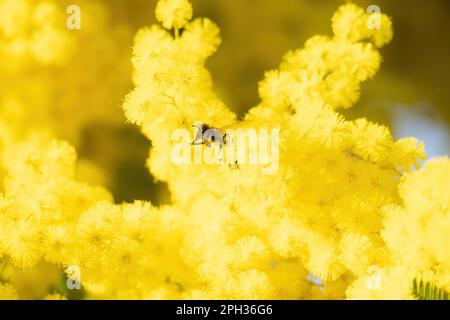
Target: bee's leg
x,y
227,139
235,165
198,136
219,152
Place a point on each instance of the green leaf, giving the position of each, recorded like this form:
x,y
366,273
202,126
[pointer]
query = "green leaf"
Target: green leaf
x,y
428,291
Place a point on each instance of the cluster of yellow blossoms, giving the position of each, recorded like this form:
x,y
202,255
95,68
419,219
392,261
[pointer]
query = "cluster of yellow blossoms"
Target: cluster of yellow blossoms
x,y
48,73
345,204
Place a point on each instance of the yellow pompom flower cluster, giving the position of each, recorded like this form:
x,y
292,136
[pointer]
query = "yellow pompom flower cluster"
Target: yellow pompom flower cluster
x,y
41,202
174,14
29,33
8,292
320,212
415,232
332,68
45,69
345,201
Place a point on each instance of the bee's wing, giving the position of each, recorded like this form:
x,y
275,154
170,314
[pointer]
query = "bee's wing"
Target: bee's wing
x,y
243,124
233,130
198,134
230,126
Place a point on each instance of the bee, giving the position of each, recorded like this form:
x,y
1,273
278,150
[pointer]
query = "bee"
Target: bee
x,y
208,135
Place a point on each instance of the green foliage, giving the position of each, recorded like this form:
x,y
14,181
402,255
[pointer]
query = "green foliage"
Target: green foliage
x,y
427,291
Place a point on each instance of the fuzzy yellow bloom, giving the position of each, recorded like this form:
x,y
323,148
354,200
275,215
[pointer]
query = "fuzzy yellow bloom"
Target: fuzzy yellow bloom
x,y
7,292
54,296
414,233
45,69
37,222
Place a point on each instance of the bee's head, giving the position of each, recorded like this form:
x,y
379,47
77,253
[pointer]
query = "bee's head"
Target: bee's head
x,y
205,127
202,128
